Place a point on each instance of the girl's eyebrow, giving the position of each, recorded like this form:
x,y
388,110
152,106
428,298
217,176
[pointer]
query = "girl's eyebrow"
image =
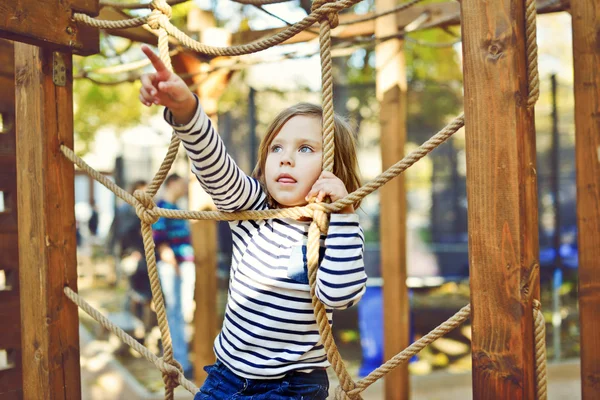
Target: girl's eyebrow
x,y
298,140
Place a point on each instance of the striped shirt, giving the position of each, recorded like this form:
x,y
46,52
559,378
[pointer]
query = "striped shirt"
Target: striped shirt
x,y
269,327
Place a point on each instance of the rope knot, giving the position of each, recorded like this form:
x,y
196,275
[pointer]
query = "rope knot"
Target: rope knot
x,y
341,395
332,16
161,13
322,220
172,372
144,207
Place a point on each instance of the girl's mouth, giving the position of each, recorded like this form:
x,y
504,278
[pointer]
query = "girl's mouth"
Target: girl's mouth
x,y
286,179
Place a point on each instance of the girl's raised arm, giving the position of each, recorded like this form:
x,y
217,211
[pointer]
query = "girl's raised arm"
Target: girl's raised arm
x,y
230,188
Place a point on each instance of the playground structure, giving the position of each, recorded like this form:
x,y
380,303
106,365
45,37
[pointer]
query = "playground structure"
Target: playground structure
x,y
501,187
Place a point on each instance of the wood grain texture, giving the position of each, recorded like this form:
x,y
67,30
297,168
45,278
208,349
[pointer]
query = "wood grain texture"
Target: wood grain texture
x,y
11,381
586,58
49,321
48,23
391,93
502,199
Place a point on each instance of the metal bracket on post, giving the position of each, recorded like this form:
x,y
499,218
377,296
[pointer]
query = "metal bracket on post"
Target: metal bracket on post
x,y
59,71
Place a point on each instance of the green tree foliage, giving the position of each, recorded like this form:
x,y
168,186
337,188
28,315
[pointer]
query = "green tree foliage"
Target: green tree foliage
x,y
433,73
110,100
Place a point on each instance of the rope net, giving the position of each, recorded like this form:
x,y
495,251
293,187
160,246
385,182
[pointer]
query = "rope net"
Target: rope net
x,y
326,13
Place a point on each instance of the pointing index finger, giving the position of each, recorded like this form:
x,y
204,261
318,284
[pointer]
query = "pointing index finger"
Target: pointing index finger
x,y
154,59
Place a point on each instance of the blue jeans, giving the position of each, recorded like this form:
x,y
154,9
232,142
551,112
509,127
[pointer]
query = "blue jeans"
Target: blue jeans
x,y
173,287
222,384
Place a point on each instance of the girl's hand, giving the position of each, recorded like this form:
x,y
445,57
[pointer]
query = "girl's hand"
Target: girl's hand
x,y
329,185
167,89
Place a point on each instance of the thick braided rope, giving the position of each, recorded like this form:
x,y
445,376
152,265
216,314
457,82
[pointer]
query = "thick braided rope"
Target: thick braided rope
x,y
260,2
320,224
110,185
402,165
161,9
166,368
447,326
165,166
136,6
541,381
533,76
143,205
252,47
160,16
326,25
398,8
108,24
293,212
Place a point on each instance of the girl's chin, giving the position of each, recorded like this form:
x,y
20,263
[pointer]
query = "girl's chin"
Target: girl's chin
x,y
285,203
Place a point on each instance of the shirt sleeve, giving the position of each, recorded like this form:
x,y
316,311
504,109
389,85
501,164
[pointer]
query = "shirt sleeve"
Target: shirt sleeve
x,y
230,188
341,277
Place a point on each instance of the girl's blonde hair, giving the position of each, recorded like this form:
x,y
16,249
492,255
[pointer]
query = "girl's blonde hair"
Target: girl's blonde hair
x,y
345,165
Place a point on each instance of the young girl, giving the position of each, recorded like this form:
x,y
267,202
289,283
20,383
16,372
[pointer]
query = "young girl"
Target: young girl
x,y
269,346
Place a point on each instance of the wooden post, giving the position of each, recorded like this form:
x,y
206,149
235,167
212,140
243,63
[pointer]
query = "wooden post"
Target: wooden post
x,y
586,59
391,93
204,241
49,322
502,198
10,329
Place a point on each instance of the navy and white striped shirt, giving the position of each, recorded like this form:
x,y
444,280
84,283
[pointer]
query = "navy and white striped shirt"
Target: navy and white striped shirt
x,y
269,327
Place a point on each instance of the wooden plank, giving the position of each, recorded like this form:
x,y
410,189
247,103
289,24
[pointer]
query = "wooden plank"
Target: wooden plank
x,y
49,321
391,92
586,59
48,23
502,198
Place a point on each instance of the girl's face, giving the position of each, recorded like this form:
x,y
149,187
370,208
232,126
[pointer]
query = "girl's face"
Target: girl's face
x,y
293,162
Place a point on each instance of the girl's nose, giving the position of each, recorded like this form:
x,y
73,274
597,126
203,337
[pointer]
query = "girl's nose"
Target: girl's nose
x,y
287,159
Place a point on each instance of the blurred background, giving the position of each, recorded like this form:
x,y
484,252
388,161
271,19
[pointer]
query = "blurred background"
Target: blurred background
x,y
126,141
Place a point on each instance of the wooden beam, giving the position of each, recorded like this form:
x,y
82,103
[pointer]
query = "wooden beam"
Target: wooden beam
x,y
391,88
502,198
49,23
438,15
586,60
49,321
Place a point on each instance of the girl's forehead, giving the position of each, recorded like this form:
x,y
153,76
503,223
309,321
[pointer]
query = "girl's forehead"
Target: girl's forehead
x,y
300,127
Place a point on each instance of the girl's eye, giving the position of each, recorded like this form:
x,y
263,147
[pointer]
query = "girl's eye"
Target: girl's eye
x,y
305,149
276,148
